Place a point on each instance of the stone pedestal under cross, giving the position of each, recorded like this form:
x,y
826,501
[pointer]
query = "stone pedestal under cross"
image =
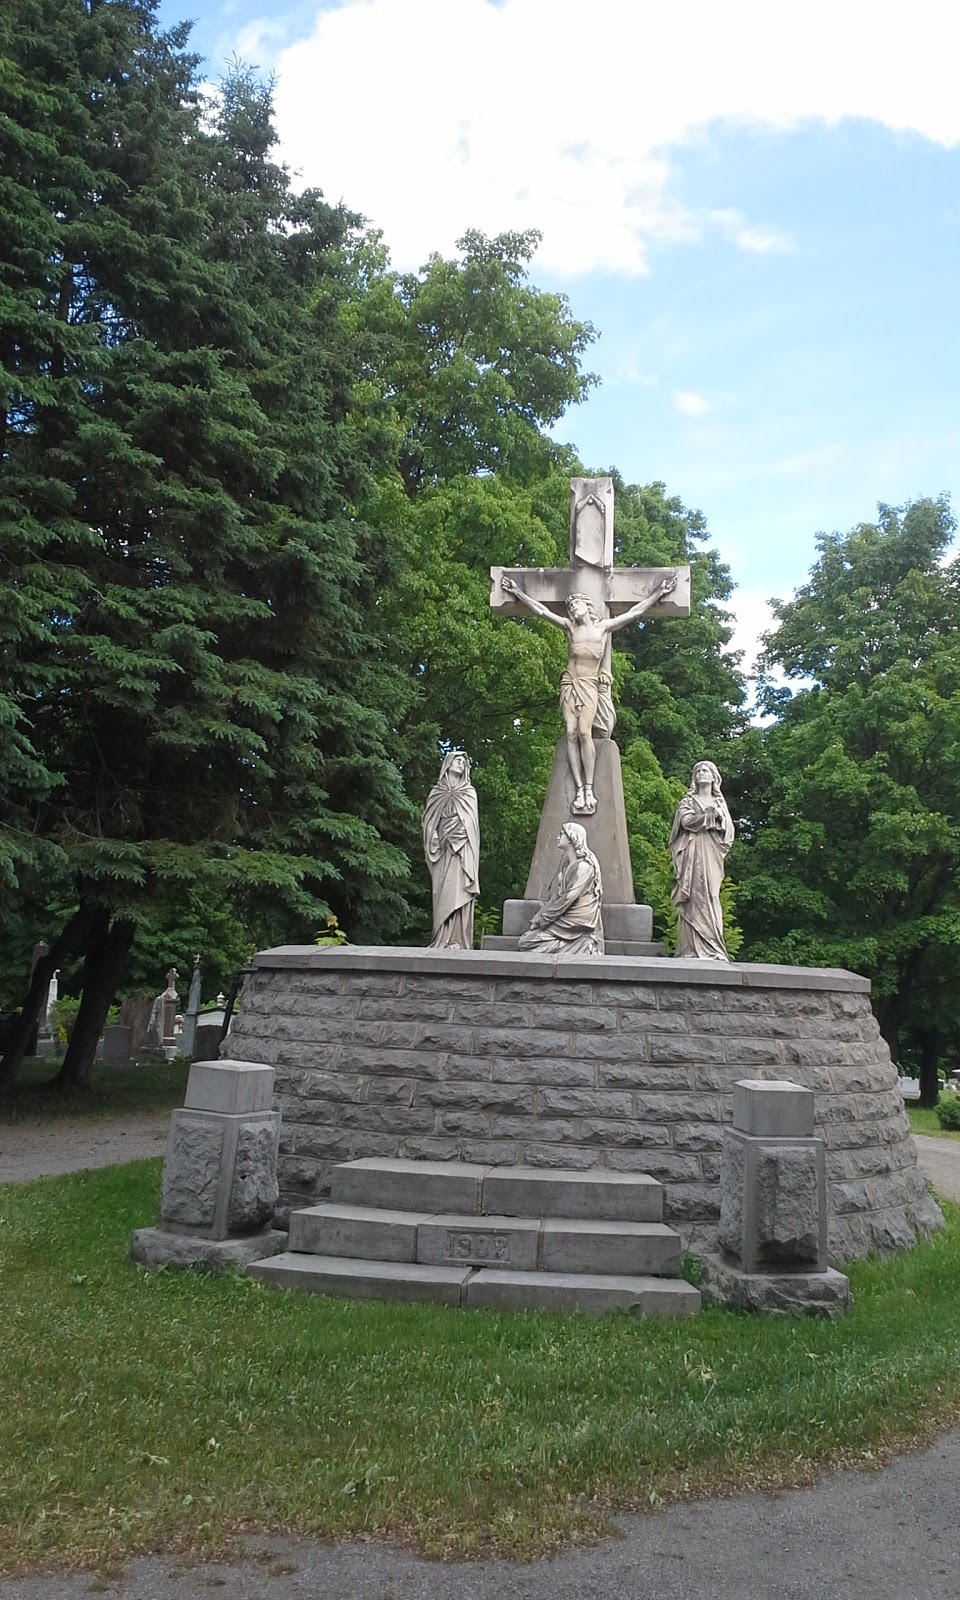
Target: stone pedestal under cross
x,y
611,592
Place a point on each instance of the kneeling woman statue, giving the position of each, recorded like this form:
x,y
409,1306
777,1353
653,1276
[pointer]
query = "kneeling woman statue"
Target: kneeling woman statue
x,y
569,924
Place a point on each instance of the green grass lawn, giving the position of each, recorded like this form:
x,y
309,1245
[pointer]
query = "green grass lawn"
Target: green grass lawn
x,y
166,1411
925,1121
115,1090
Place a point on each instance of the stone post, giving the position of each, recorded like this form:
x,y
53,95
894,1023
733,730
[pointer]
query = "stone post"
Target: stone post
x,y
773,1208
219,1172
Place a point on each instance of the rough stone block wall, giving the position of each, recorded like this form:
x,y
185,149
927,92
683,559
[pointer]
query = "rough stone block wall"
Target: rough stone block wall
x,y
627,1065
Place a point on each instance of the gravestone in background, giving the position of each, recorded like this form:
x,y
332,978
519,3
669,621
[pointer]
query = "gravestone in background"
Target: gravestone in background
x,y
135,1015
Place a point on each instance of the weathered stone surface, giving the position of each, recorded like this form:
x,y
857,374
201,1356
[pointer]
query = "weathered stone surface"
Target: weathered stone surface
x,y
563,1074
229,1085
409,1185
544,1032
522,1192
733,1192
554,1156
358,1231
362,1280
191,1172
587,1292
153,1247
780,1109
503,1242
635,1249
787,1206
254,1190
811,1294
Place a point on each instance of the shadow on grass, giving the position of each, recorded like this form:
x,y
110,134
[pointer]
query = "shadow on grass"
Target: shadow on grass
x,y
114,1090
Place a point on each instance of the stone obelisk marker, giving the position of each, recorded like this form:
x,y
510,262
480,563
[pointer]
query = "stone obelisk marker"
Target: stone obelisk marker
x,y
586,785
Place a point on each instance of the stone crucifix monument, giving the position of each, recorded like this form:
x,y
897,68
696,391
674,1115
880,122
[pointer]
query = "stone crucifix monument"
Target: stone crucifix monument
x,y
589,600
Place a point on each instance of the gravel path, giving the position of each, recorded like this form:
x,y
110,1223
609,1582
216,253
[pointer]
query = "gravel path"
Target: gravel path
x,y
940,1164
73,1144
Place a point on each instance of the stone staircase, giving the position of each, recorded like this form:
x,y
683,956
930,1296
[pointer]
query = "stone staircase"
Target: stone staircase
x,y
502,1238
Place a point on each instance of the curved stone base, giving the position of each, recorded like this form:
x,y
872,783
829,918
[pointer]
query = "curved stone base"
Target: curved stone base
x,y
511,1060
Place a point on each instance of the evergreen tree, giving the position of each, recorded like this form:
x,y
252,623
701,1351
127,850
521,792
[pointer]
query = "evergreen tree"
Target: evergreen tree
x,y
193,694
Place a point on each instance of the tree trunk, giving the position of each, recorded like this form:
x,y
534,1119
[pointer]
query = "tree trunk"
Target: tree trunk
x,y
102,971
888,1019
70,939
929,1042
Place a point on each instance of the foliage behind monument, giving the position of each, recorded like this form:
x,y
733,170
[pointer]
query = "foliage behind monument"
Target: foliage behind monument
x,y
853,796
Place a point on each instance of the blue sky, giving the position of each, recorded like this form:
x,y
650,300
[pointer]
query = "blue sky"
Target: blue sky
x,y
757,206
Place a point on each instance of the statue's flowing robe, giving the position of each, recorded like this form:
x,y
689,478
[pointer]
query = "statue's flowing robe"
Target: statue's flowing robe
x,y
453,859
698,855
570,923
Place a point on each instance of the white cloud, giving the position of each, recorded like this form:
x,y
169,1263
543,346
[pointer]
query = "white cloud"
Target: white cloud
x,y
690,404
259,40
753,618
749,236
433,116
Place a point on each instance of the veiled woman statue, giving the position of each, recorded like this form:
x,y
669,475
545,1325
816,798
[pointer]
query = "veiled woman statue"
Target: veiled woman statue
x,y
451,843
569,923
702,834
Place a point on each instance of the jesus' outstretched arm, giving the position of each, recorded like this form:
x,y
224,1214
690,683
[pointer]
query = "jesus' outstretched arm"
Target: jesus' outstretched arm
x,y
611,624
511,587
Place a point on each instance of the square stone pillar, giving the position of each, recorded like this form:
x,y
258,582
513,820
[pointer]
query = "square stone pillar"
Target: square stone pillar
x,y
219,1172
773,1189
773,1207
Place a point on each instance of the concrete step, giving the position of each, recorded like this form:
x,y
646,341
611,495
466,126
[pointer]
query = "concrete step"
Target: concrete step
x,y
480,1242
464,1189
623,1248
573,1291
596,1195
392,1183
522,1244
490,1289
366,1232
350,1279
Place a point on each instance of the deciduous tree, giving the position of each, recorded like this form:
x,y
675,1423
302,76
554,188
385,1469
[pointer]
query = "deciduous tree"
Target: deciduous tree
x,y
855,854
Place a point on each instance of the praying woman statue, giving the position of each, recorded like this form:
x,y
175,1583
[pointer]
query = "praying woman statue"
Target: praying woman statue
x,y
569,923
702,834
451,843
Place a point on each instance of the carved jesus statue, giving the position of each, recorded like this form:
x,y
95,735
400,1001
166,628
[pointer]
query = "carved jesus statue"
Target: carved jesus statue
x,y
585,698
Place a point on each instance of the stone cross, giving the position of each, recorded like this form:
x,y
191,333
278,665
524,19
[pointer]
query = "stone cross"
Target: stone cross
x,y
586,784
590,599
591,572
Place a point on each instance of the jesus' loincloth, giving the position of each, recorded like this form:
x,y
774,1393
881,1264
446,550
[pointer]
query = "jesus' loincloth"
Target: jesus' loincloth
x,y
593,695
